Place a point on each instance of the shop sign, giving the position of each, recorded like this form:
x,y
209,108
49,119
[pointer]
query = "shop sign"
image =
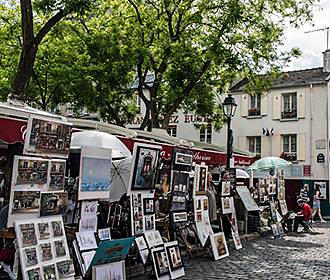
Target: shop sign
x,y
307,170
12,131
320,158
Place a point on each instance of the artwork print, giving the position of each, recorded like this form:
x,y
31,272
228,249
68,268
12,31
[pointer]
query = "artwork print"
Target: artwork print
x,y
180,217
225,188
183,159
34,274
149,206
145,168
31,171
86,240
28,235
141,243
219,246
57,228
174,256
95,174
227,205
43,229
237,240
47,137
323,189
31,257
149,222
49,272
46,251
26,202
53,203
65,269
57,175
60,250
104,234
161,262
202,180
111,271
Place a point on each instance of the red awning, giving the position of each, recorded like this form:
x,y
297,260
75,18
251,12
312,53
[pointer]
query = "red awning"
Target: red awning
x,y
12,131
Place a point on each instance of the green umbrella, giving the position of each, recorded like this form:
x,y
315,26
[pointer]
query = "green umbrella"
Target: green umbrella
x,y
269,163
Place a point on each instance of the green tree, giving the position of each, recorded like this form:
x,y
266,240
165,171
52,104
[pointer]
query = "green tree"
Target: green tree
x,y
196,48
34,29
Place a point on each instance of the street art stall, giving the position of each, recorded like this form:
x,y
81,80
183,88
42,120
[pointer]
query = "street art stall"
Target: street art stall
x,y
91,205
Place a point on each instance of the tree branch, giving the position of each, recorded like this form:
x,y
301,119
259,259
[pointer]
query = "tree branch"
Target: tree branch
x,y
49,25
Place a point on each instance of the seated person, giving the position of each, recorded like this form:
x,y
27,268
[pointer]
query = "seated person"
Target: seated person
x,y
303,216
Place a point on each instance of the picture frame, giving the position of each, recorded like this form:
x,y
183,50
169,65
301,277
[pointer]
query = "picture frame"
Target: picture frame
x,y
57,175
95,166
141,243
149,206
237,240
200,181
225,188
161,263
53,203
174,255
145,167
227,205
47,136
104,234
86,240
65,269
183,159
149,222
180,217
219,245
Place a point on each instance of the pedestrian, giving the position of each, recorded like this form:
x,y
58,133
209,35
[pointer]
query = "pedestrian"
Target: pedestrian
x,y
304,193
303,216
317,203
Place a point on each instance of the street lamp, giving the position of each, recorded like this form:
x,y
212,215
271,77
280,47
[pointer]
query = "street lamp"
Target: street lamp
x,y
229,110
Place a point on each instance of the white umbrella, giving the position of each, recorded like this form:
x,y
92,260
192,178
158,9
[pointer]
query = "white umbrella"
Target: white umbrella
x,y
242,174
121,158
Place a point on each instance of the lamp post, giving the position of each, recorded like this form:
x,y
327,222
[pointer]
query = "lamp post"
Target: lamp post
x,y
229,110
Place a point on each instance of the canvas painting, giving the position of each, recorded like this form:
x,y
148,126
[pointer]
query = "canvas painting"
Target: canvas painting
x,y
219,245
34,274
89,208
150,239
47,136
247,199
49,272
275,230
161,263
145,168
157,238
57,175
180,217
57,228
198,216
202,232
26,202
111,271
28,234
201,179
43,230
183,159
141,243
53,203
31,257
46,251
225,188
86,240
273,211
88,224
65,269
280,229
283,207
30,171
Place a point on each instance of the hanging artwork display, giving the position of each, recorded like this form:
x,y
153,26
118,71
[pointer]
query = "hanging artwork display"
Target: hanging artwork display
x,y
161,263
219,246
43,249
228,181
175,259
200,180
88,216
95,173
179,184
145,167
47,136
183,159
110,271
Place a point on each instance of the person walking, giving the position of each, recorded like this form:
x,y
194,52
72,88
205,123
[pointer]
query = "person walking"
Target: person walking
x,y
317,203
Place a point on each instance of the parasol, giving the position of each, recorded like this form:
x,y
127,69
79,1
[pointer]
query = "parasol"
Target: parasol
x,y
269,163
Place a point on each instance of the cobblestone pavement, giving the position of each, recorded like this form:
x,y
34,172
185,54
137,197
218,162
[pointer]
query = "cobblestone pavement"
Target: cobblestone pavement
x,y
302,256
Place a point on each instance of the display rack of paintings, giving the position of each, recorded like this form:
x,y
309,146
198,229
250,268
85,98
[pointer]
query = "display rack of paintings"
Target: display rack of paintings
x,y
200,180
43,249
47,137
180,181
219,246
95,173
145,167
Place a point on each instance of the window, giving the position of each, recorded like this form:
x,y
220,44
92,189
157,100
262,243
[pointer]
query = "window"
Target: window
x,y
255,145
289,147
289,105
172,130
255,105
206,134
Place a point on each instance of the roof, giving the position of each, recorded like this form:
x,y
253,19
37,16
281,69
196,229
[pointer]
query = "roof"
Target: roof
x,y
291,79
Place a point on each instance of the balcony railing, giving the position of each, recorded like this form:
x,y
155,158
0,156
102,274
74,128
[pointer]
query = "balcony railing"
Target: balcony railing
x,y
291,114
289,156
254,112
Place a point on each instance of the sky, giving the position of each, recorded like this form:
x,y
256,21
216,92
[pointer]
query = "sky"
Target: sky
x,y
311,44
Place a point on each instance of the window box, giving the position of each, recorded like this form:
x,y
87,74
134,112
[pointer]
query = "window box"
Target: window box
x,y
289,114
254,112
289,156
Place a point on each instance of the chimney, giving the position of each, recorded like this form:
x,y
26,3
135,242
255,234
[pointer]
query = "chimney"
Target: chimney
x,y
326,61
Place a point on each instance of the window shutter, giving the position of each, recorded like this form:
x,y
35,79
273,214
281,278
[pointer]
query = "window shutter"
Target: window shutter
x,y
244,105
301,146
264,104
265,146
301,104
276,145
276,106
242,143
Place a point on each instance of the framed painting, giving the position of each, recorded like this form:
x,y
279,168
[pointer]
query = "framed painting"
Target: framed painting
x,y
219,245
161,263
183,159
